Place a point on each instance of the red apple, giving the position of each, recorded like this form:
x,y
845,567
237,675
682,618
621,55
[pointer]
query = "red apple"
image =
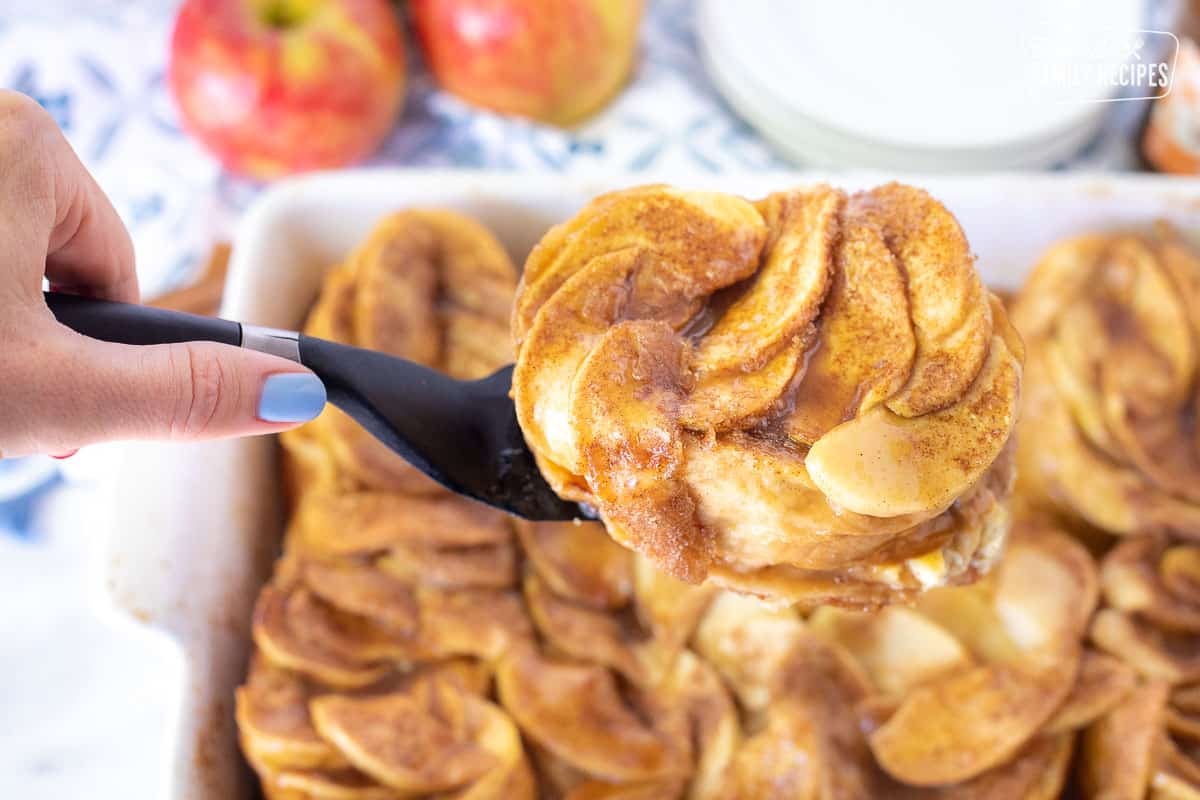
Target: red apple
x,y
557,61
279,86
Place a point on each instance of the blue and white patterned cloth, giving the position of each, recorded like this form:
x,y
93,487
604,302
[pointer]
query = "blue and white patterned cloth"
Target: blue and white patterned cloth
x,y
97,66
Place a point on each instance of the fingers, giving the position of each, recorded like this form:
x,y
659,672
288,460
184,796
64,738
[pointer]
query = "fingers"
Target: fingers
x,y
56,220
60,391
101,391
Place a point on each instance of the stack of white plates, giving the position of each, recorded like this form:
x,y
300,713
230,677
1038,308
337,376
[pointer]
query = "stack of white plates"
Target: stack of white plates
x,y
927,85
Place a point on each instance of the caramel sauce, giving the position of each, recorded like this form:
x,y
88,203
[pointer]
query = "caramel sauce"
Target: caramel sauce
x,y
712,310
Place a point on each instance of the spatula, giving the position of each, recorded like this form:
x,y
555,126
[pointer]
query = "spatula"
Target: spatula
x,y
463,434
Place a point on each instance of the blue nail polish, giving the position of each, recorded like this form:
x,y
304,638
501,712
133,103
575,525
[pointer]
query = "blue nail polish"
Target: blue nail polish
x,y
291,397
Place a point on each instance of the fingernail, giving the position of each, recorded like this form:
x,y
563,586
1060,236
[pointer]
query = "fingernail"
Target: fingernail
x,y
291,397
62,456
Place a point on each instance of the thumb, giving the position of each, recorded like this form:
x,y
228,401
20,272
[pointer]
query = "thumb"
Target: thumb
x,y
189,391
203,390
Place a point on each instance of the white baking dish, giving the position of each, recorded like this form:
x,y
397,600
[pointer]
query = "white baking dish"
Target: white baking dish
x,y
195,527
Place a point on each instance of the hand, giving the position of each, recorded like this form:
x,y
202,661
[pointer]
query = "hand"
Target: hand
x,y
59,390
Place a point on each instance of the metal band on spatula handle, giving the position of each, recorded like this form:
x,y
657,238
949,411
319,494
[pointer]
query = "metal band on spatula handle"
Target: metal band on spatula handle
x,y
126,323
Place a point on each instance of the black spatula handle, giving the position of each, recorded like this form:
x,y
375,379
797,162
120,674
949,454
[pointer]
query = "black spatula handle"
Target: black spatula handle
x,y
125,323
